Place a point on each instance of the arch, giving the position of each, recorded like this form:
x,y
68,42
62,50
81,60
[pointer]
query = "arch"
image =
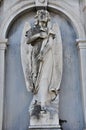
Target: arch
x,y
63,7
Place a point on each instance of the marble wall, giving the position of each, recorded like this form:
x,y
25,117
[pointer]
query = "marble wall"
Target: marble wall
x,y
17,99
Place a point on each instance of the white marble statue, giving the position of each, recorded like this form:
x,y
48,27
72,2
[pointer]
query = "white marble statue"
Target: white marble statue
x,y
41,54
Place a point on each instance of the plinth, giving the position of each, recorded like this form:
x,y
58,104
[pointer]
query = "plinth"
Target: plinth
x,y
45,127
46,121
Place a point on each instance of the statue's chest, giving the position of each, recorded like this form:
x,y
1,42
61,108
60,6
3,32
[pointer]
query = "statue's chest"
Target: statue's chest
x,y
36,48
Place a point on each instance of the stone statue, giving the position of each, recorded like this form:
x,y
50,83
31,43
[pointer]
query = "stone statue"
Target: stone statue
x,y
41,54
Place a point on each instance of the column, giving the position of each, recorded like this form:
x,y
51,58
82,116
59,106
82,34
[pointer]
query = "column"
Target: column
x,y
84,12
82,53
3,44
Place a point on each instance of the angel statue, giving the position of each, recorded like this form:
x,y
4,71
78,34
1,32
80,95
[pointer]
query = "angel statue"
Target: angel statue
x,y
41,55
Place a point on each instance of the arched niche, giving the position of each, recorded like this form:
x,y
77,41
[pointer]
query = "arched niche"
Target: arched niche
x,y
17,99
54,5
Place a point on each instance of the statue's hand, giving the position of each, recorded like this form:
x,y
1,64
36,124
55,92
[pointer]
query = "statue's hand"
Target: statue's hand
x,y
51,33
43,35
40,57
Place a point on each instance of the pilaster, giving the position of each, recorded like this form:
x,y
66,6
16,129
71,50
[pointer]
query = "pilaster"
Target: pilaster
x,y
3,44
82,53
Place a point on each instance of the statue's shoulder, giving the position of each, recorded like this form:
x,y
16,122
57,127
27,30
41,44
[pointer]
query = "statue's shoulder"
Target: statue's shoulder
x,y
33,31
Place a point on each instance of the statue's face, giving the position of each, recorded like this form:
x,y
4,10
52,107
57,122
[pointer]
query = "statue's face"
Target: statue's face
x,y
43,16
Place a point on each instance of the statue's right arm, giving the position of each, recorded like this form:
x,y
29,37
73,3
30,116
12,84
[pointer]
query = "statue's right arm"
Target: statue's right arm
x,y
33,38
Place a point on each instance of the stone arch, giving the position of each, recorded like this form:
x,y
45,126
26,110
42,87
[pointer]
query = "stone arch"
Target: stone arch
x,y
21,7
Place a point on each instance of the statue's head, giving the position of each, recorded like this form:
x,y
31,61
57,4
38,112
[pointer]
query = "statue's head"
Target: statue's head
x,y
42,16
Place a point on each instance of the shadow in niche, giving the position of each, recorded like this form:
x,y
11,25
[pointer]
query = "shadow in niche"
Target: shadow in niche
x,y
61,122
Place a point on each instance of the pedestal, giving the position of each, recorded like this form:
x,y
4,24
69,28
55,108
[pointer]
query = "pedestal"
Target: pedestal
x,y
48,120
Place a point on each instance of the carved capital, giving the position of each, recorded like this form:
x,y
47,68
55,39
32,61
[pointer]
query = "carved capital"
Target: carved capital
x,y
3,44
81,44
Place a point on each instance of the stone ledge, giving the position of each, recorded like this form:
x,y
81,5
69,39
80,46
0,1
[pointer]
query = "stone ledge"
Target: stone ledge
x,y
45,128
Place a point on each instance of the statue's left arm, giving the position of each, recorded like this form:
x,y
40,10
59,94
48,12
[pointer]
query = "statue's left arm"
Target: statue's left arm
x,y
48,42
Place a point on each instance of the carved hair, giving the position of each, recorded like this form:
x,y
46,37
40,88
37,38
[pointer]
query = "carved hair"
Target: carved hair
x,y
42,15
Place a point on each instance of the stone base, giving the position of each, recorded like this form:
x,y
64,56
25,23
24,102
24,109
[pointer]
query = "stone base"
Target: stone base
x,y
45,128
